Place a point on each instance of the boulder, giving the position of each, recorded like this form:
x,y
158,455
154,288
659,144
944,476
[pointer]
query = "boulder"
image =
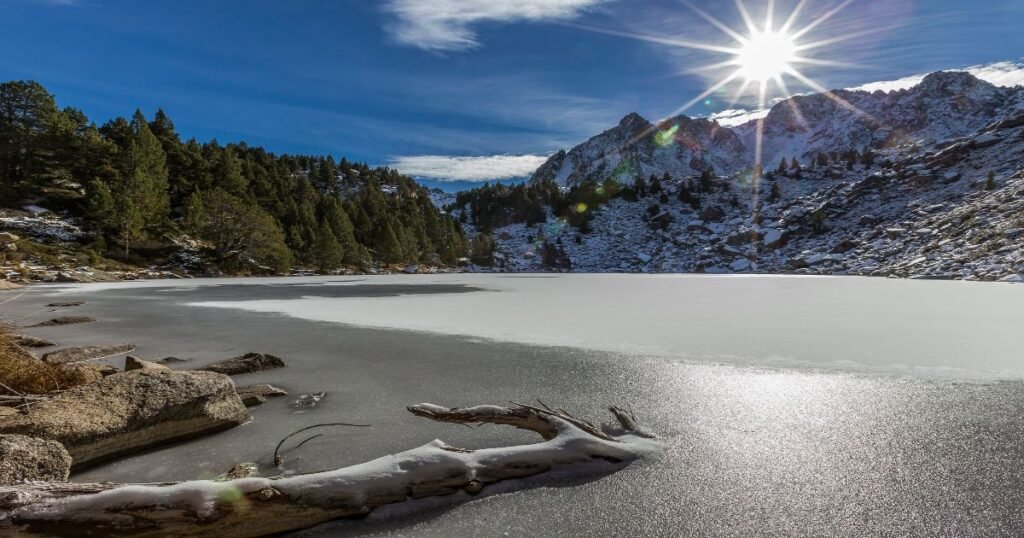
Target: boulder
x,y
25,458
64,320
895,233
987,140
844,246
257,394
85,353
797,262
742,237
246,364
128,412
740,265
24,340
712,214
134,363
170,360
774,238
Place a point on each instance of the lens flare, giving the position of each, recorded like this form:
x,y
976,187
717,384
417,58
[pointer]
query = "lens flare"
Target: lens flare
x,y
767,55
666,137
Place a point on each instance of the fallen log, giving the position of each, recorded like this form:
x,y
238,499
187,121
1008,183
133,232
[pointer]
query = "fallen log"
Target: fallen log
x,y
253,506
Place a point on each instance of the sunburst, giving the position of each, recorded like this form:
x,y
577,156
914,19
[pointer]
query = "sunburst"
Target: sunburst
x,y
763,54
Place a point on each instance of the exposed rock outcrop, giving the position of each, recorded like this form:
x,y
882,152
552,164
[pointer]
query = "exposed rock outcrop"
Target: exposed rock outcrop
x,y
246,364
134,363
253,395
85,353
25,458
125,413
64,320
24,340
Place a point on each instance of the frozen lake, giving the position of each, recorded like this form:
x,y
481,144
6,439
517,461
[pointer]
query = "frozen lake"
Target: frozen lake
x,y
787,405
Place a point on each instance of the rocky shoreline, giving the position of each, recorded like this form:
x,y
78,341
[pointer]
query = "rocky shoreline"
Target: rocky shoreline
x,y
111,412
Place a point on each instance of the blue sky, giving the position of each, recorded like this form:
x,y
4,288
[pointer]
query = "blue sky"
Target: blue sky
x,y
440,87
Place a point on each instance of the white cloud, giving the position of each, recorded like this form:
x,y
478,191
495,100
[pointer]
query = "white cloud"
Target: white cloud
x,y
446,25
998,73
737,116
489,168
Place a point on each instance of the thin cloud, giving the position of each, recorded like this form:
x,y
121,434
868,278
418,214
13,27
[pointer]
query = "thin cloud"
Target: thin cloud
x,y
999,73
737,116
488,168
447,25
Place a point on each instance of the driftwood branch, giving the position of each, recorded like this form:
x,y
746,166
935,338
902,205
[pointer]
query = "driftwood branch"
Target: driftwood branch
x,y
279,460
261,506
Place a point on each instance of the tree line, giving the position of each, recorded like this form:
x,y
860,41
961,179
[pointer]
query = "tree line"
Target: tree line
x,y
138,186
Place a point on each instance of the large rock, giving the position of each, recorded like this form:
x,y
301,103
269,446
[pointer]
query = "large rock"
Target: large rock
x,y
28,458
774,238
25,340
85,353
128,412
134,363
258,394
246,364
712,214
64,320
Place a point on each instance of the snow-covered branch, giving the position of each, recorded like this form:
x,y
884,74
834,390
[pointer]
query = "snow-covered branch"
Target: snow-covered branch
x,y
260,506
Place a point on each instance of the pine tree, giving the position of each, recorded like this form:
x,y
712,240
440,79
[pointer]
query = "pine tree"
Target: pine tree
x,y
707,181
141,201
99,204
386,244
482,250
27,113
990,182
327,251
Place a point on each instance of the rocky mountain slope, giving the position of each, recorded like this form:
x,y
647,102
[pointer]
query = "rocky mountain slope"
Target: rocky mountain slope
x,y
945,105
943,197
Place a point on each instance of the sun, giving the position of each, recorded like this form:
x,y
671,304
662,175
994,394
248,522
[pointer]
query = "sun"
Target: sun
x,y
762,56
766,55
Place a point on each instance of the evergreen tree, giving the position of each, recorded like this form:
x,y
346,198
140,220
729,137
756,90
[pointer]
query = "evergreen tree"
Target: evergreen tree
x,y
99,205
328,252
386,244
140,200
27,113
482,250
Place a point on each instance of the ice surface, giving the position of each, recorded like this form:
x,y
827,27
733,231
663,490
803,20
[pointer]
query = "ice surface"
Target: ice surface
x,y
748,450
926,328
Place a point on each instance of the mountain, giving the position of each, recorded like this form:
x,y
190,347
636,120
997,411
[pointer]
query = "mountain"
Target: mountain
x,y
940,195
945,105
635,147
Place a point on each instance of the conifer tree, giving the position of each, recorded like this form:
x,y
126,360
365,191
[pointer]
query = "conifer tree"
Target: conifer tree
x,y
140,200
386,244
327,251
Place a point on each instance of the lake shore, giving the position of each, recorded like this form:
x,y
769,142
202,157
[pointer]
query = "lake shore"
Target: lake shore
x,y
749,449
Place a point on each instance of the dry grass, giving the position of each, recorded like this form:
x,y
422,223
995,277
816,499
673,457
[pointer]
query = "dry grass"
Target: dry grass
x,y
21,373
